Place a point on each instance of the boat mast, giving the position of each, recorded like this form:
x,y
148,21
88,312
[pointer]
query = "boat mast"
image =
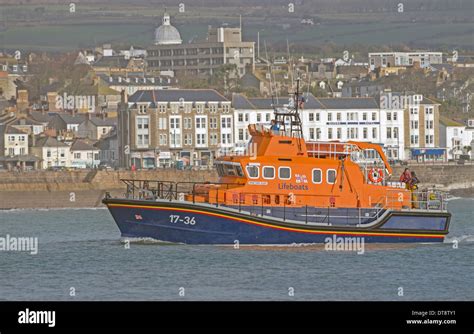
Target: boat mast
x,y
290,114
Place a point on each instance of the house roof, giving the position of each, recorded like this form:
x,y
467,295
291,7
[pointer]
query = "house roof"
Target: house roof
x,y
80,145
176,95
70,119
240,101
349,103
26,121
99,121
449,122
112,61
49,142
40,117
11,130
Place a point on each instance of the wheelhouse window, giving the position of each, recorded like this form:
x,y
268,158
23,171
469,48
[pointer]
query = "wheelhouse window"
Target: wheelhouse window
x,y
252,171
284,173
268,172
317,175
331,176
229,169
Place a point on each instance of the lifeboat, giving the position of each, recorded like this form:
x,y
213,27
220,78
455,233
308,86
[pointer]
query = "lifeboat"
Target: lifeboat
x,y
285,190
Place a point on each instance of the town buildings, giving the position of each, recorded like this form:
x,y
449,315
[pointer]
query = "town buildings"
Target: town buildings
x,y
157,128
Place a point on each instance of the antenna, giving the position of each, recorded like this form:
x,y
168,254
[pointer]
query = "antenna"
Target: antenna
x,y
290,63
268,69
258,44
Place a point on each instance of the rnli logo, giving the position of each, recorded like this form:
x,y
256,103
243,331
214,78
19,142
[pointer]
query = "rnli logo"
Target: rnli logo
x,y
138,217
301,178
289,186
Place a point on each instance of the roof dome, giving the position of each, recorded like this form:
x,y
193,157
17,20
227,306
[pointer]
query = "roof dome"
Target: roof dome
x,y
166,33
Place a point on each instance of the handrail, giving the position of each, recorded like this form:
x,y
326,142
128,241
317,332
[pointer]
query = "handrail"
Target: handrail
x,y
426,199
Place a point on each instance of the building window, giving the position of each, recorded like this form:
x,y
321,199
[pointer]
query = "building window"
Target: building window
x,y
162,108
311,133
311,117
389,133
201,139
188,139
317,176
226,122
364,116
374,116
331,176
329,133
187,123
284,173
213,108
226,138
389,116
142,123
199,108
142,109
374,133
365,133
329,117
162,123
240,117
252,171
212,123
241,134
268,172
163,139
200,122
213,138
338,117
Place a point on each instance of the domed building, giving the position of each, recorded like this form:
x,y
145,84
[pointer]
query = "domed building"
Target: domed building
x,y
166,34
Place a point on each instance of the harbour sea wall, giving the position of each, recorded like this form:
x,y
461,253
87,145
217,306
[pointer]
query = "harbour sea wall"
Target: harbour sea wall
x,y
85,189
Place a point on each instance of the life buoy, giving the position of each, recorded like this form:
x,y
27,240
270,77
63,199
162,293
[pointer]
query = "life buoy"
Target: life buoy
x,y
376,175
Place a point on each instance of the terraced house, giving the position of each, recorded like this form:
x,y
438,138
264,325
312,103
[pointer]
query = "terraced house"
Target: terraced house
x,y
162,127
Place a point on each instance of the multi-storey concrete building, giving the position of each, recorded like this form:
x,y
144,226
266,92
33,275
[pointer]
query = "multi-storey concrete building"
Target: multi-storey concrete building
x,y
404,59
223,46
159,128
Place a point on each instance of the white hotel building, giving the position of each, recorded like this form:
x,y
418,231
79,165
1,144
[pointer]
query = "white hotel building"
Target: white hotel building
x,y
328,119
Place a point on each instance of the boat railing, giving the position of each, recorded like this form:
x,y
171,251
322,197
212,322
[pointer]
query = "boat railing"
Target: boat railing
x,y
330,150
427,199
258,203
251,203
